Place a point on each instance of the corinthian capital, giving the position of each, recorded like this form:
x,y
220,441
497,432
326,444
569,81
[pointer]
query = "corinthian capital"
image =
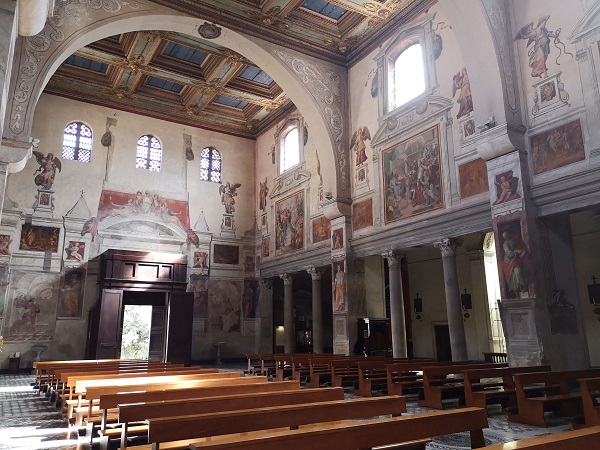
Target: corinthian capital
x,y
286,277
315,273
448,246
392,256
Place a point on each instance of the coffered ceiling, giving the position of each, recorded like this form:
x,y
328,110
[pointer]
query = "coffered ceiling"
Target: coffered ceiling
x,y
192,81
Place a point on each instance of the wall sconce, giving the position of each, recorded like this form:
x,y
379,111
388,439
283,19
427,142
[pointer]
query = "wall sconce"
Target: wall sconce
x,y
467,304
418,306
594,295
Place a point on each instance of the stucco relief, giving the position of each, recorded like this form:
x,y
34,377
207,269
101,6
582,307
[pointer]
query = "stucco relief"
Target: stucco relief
x,y
326,87
68,18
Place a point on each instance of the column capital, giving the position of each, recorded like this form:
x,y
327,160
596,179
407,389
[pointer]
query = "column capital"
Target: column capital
x,y
315,273
448,246
267,283
393,257
286,277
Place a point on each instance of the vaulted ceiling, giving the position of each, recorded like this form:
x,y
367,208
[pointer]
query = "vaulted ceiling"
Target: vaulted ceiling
x,y
192,81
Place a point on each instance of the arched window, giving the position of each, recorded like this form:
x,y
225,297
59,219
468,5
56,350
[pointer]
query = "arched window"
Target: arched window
x,y
77,142
210,165
407,76
289,151
149,153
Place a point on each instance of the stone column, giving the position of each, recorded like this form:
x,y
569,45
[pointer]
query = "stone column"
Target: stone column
x,y
266,316
317,310
288,314
399,349
456,326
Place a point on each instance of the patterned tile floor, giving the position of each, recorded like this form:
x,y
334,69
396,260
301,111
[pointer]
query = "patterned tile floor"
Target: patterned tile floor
x,y
28,422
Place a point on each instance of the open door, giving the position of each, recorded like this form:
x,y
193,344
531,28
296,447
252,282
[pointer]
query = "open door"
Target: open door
x,y
109,325
180,324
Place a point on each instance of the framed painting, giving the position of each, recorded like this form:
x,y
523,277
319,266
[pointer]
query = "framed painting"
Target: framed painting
x,y
289,224
557,147
226,254
412,177
473,178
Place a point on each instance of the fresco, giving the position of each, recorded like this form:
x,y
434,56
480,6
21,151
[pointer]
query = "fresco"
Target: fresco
x,y
70,299
557,147
46,172
461,84
337,239
412,180
75,251
250,300
199,286
321,229
265,247
5,241
362,214
358,144
224,305
473,178
338,269
200,260
4,279
228,193
143,203
38,238
226,254
31,307
289,224
507,187
514,261
262,195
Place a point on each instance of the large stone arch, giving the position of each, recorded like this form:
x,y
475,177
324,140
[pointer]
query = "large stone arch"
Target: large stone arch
x,y
482,29
318,89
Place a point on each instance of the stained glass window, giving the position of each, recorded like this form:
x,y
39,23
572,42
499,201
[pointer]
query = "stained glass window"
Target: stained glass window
x,y
77,142
210,165
149,153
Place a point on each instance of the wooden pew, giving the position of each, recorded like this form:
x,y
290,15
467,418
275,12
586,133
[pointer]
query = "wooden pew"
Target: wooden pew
x,y
558,395
142,411
346,370
105,398
582,439
407,376
590,391
499,390
289,416
350,435
438,383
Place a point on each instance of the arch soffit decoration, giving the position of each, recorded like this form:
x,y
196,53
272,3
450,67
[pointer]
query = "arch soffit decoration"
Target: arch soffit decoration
x,y
318,89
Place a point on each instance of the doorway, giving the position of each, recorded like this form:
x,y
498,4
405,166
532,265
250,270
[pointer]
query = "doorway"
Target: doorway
x,y
443,350
135,337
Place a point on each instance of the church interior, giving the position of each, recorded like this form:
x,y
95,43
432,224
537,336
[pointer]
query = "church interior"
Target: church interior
x,y
400,179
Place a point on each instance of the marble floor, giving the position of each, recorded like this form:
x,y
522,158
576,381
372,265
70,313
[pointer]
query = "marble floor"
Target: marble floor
x,y
28,422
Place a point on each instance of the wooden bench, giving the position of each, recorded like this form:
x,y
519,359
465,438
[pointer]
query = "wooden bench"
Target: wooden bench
x,y
350,435
440,384
142,411
288,416
582,439
407,376
590,392
498,388
557,392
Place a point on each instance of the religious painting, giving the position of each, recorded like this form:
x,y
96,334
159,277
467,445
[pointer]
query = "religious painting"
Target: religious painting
x,y
224,305
199,286
249,264
38,238
547,91
250,299
265,247
362,214
362,174
557,147
262,194
358,144
226,254
337,239
70,299
321,229
469,128
412,179
4,273
514,261
75,251
289,224
200,260
507,187
461,84
340,296
5,241
32,305
473,178
44,199
145,204
264,223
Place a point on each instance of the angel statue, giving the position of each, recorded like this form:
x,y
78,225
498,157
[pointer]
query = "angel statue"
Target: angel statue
x,y
358,144
540,38
48,165
228,192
